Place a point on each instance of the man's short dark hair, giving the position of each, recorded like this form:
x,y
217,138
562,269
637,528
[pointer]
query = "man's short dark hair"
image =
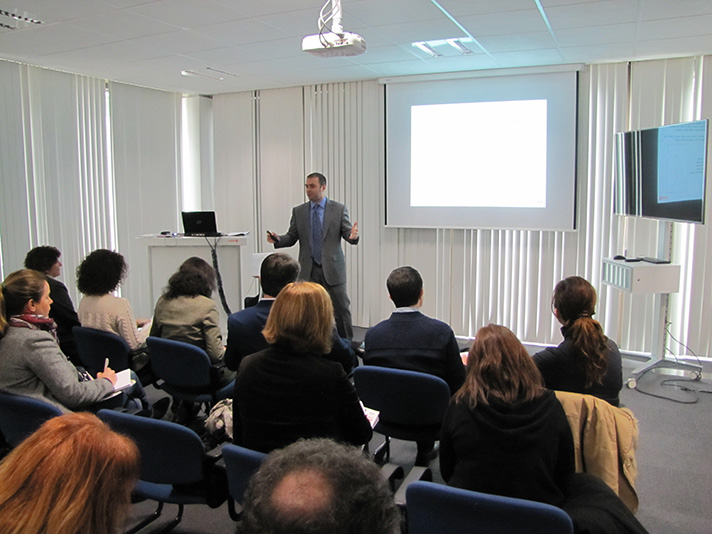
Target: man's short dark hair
x,y
322,178
343,492
42,258
277,270
404,286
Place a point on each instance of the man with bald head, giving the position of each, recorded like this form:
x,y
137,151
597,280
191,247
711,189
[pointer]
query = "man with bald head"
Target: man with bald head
x,y
318,486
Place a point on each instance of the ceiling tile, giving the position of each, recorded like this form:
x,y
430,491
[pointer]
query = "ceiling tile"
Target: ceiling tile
x,y
188,13
523,21
518,41
599,13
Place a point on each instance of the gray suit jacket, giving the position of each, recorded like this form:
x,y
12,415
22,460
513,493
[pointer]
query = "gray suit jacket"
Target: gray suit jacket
x,y
337,225
32,365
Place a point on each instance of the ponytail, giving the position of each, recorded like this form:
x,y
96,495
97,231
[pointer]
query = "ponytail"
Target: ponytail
x,y
591,348
575,301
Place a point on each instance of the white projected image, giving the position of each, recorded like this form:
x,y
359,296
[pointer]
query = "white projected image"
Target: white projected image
x,y
681,162
493,151
485,154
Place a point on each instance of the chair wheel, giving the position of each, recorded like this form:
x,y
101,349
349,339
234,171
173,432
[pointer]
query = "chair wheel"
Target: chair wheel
x,y
631,383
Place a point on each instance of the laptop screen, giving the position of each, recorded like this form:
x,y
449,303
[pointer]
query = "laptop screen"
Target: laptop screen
x,y
199,223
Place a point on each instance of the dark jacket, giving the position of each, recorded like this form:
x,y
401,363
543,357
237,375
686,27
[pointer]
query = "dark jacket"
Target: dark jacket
x,y
416,342
523,450
63,313
562,370
281,396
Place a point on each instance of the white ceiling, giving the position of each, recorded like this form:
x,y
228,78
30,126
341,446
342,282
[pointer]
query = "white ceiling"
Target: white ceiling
x,y
257,43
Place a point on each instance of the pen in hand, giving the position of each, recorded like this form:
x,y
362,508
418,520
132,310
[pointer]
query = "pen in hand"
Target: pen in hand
x,y
107,373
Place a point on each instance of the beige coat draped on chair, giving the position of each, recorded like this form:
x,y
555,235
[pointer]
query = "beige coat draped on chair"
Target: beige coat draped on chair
x,y
605,441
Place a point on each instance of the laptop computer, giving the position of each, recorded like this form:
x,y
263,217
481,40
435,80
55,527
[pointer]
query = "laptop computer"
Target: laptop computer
x,y
199,224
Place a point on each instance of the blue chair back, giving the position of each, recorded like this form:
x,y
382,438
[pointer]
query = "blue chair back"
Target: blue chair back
x,y
20,416
178,363
170,453
94,346
404,398
438,509
240,465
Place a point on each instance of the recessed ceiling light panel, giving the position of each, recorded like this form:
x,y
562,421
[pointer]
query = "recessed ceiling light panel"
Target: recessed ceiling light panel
x,y
195,74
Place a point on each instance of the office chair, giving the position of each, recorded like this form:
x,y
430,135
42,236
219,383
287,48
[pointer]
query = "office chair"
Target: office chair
x,y
174,466
240,465
20,416
439,509
411,404
185,372
94,346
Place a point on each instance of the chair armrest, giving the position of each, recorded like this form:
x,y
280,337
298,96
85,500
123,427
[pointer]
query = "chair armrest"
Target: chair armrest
x,y
417,473
392,472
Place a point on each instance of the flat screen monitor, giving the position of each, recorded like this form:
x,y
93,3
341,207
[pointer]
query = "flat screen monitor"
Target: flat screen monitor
x,y
661,172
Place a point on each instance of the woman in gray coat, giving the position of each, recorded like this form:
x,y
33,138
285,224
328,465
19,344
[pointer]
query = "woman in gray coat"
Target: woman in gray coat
x,y
31,362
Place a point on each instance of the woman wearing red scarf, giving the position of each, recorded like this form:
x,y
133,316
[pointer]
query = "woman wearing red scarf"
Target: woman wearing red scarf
x,y
31,362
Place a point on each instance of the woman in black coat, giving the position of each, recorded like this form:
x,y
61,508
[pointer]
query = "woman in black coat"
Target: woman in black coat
x,y
290,390
586,361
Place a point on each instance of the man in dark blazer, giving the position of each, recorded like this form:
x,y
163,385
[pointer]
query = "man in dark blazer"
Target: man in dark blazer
x,y
320,254
415,342
244,328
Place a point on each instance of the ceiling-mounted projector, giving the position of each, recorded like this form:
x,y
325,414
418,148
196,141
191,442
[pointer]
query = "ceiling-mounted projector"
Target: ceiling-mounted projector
x,y
334,45
333,41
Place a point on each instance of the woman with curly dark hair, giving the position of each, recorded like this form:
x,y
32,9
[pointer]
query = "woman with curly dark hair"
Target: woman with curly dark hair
x,y
185,312
98,276
586,361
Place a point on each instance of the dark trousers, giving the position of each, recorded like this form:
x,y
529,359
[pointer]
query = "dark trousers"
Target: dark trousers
x,y
340,300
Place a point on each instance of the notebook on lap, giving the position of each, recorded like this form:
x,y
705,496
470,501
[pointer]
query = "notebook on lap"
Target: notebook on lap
x,y
199,224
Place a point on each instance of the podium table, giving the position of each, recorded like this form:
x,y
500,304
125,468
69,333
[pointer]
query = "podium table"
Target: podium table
x,y
166,253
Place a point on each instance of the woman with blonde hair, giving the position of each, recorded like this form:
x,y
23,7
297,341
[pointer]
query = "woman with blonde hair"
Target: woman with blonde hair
x,y
74,475
505,434
290,390
586,361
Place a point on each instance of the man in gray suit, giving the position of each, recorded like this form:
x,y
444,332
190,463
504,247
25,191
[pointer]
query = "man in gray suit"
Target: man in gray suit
x,y
319,225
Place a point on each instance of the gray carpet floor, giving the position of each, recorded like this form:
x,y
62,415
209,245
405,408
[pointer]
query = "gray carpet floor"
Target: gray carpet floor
x,y
674,461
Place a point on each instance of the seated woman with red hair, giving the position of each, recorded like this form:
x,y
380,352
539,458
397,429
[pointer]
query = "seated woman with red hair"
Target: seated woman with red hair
x,y
74,475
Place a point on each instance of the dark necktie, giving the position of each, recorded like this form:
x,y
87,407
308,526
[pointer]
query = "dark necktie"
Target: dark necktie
x,y
317,237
